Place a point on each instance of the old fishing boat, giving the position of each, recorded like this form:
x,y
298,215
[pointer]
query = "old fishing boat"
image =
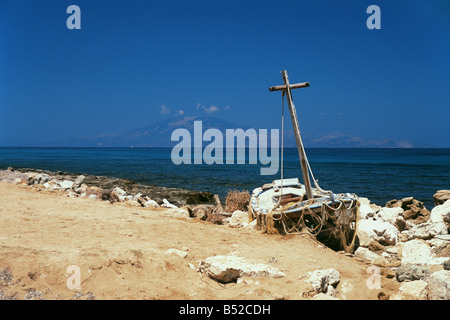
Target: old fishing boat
x,y
286,206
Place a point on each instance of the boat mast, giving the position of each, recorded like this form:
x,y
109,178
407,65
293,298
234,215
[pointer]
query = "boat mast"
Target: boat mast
x,y
301,150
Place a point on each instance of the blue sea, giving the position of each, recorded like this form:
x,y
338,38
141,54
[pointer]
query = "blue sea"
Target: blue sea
x,y
378,174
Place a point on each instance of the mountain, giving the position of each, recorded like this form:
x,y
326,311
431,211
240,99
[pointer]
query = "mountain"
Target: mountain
x,y
154,135
159,135
341,140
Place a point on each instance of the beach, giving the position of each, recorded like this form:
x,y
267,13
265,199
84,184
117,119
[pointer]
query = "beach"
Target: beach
x,y
120,248
121,253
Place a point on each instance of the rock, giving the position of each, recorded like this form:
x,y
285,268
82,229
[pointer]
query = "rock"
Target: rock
x,y
381,231
321,279
417,289
390,214
411,272
238,219
439,285
151,204
77,184
415,211
441,196
40,178
418,252
365,211
229,268
119,191
180,253
427,230
167,204
440,212
118,194
137,196
65,185
366,254
394,203
446,264
323,296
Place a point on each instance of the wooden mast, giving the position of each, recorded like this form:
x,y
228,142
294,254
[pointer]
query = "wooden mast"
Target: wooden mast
x,y
301,150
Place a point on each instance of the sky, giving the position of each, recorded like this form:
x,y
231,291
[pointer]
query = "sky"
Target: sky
x,y
134,63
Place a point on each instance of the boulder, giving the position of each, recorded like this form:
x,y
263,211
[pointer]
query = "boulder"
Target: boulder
x,y
77,184
418,252
321,279
411,272
427,230
167,204
416,289
40,178
238,219
441,196
151,204
118,194
65,185
365,211
440,213
366,254
229,268
381,231
439,285
390,214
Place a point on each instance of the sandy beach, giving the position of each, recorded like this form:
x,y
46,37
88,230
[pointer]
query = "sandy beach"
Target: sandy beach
x,y
121,253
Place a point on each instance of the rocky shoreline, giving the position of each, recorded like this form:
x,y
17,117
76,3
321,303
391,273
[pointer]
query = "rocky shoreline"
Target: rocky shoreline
x,y
102,187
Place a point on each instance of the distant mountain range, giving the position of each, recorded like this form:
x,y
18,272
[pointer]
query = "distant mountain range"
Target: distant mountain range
x,y
159,135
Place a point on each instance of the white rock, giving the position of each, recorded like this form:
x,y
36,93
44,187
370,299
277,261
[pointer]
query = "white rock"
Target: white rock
x,y
427,230
363,200
119,192
66,184
321,279
167,204
439,212
366,254
381,231
41,178
439,285
390,214
365,211
229,268
137,196
417,289
151,204
92,196
238,219
180,253
323,296
77,183
418,252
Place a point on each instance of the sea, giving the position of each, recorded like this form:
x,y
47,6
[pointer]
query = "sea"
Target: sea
x,y
377,174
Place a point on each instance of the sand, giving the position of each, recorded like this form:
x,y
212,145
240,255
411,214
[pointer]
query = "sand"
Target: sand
x,y
120,253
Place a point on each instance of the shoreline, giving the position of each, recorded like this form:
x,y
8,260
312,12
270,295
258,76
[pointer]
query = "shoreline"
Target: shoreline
x,y
176,196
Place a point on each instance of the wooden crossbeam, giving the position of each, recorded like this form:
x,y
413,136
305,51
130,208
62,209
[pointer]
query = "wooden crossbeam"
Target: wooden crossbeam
x,y
292,86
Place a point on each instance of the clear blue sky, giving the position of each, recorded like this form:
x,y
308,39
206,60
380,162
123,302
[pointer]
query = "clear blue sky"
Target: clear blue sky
x,y
137,62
